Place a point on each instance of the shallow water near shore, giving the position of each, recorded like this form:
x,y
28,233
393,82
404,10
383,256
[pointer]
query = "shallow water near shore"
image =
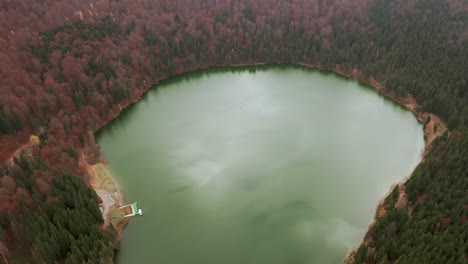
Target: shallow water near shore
x,y
265,164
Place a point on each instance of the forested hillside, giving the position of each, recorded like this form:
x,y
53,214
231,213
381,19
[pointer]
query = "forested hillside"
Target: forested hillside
x,y
69,67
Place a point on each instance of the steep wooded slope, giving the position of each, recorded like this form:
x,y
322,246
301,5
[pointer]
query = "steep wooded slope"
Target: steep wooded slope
x,y
68,68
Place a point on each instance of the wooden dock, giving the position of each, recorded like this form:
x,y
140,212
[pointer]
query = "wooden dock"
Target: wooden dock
x,y
134,208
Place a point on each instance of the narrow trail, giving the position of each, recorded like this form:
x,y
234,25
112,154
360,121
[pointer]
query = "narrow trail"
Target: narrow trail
x,y
24,146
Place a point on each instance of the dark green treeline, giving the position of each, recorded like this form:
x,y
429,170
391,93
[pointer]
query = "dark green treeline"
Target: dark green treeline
x,y
68,223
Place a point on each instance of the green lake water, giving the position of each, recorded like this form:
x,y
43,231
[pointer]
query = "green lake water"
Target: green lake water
x,y
256,165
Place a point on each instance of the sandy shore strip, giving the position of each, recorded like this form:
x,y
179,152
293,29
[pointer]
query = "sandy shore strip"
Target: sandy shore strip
x,y
108,189
102,179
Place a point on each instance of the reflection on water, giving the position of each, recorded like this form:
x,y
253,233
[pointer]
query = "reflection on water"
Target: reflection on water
x,y
272,164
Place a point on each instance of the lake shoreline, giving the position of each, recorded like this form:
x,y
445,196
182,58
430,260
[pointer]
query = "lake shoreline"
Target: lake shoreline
x,y
432,129
107,188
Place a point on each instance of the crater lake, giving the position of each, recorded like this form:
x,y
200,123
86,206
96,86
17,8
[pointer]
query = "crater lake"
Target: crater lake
x,y
260,164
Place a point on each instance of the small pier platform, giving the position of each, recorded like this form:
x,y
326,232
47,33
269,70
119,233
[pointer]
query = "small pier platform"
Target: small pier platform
x,y
134,208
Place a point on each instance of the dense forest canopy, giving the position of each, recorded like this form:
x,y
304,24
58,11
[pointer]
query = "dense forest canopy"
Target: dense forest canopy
x,y
69,67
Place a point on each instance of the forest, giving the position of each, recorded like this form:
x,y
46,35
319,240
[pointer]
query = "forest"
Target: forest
x,y
67,68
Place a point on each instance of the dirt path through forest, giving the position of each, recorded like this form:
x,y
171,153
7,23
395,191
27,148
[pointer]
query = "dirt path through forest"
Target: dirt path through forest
x,y
19,149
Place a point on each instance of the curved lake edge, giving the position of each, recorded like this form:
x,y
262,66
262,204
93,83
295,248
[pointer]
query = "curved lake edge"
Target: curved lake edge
x,y
433,129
